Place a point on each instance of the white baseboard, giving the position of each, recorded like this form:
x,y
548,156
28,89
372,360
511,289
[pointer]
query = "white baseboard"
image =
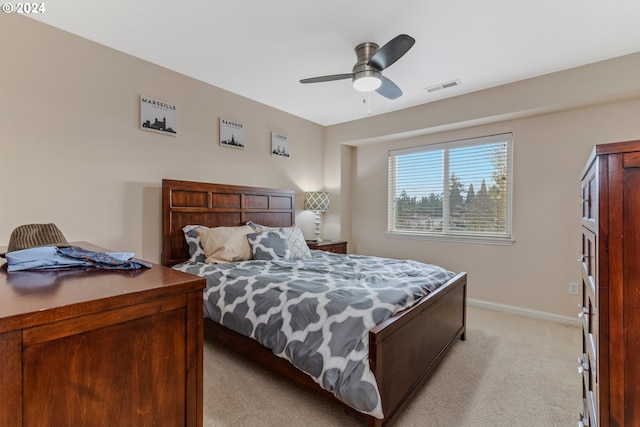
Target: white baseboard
x,y
525,312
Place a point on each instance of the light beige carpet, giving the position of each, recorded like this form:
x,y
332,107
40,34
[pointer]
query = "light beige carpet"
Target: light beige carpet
x,y
511,371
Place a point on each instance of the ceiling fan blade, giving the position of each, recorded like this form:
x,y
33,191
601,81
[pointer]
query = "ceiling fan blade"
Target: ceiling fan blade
x,y
391,52
389,89
327,78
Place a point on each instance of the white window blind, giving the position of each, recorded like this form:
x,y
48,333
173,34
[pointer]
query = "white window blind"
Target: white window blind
x,y
453,189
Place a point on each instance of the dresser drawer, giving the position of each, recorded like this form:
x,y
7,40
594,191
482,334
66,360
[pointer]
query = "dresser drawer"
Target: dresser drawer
x,y
584,414
589,394
589,315
592,410
590,198
588,257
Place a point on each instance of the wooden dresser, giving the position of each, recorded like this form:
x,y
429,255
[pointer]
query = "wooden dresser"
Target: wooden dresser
x,y
337,247
90,347
611,286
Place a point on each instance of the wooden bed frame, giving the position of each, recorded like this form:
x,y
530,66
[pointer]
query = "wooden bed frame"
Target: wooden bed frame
x,y
403,351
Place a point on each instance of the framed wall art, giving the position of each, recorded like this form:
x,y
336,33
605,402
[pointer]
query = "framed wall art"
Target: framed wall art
x,y
231,133
158,116
279,144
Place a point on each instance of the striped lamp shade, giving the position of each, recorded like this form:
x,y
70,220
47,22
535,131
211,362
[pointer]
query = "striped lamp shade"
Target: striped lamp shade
x,y
318,201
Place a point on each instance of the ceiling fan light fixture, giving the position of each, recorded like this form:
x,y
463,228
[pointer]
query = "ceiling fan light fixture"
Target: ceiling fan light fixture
x,y
367,80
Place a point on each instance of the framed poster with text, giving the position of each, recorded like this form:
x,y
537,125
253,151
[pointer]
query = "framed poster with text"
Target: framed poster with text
x,y
231,133
279,144
158,116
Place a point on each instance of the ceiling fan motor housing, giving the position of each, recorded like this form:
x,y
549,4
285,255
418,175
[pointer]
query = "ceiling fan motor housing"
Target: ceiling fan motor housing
x,y
364,52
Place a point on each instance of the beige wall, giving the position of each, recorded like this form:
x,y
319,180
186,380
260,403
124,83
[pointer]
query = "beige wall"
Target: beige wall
x,y
554,131
72,152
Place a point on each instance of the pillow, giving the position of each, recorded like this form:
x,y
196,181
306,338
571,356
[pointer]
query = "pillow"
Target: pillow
x,y
268,245
257,227
196,253
293,234
297,244
225,244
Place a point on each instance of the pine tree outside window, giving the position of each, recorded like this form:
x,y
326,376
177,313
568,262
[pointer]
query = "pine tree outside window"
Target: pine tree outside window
x,y
459,190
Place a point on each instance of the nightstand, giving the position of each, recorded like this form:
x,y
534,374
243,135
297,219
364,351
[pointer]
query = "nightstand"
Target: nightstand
x,y
337,247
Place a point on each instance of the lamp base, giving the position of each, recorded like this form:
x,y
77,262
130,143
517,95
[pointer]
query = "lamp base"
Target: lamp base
x,y
317,224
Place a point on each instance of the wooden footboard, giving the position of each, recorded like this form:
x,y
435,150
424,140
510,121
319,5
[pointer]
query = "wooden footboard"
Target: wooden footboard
x,y
405,349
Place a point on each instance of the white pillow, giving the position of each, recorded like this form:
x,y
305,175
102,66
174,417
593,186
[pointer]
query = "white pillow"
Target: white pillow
x,y
297,244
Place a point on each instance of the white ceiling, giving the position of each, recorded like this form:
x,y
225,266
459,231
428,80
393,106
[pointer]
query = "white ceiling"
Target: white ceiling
x,y
261,49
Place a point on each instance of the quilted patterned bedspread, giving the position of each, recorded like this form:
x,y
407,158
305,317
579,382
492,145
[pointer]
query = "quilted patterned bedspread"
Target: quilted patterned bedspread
x,y
316,312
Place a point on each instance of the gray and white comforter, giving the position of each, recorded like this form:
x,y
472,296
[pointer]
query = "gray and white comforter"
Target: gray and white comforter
x,y
317,312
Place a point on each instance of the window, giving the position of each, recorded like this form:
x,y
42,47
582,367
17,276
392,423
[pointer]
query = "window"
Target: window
x,y
458,190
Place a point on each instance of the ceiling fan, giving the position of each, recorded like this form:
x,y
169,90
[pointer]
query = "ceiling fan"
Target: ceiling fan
x,y
371,60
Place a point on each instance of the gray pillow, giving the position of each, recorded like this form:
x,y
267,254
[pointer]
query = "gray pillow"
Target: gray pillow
x,y
297,244
196,252
269,245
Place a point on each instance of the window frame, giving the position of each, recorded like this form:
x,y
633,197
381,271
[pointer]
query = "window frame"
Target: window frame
x,y
457,236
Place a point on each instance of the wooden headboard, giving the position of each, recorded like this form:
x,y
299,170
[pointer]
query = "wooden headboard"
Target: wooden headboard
x,y
216,205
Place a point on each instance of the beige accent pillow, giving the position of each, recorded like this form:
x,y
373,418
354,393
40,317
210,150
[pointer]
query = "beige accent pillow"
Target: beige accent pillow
x,y
225,244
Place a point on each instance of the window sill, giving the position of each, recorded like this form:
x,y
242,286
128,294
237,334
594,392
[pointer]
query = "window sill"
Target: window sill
x,y
451,238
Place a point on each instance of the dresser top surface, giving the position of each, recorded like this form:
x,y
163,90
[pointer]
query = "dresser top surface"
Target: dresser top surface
x,y
34,296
